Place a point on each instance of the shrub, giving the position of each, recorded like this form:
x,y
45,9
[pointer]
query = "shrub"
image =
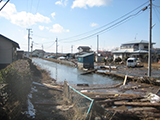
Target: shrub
x,y
118,59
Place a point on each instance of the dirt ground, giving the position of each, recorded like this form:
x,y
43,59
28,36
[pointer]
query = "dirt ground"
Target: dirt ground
x,y
136,71
47,101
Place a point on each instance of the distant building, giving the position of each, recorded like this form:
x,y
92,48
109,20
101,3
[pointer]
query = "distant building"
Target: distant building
x,y
8,51
84,49
38,53
20,54
103,55
137,49
86,61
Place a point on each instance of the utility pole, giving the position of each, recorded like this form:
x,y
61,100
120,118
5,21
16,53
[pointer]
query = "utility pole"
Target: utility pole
x,y
29,30
97,44
71,48
150,41
42,46
31,48
56,46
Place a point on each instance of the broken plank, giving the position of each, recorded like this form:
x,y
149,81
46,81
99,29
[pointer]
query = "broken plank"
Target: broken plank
x,y
111,94
48,103
117,99
141,104
125,79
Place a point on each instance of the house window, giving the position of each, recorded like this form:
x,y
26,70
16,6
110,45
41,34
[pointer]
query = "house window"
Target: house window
x,y
146,47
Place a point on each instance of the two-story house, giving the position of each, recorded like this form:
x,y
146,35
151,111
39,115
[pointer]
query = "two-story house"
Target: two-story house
x,y
137,48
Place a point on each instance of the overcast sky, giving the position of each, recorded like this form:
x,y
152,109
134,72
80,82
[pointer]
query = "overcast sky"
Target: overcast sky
x,y
78,22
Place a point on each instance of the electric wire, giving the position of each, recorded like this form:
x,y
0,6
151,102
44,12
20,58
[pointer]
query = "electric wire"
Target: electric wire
x,y
103,30
156,13
105,24
155,5
37,6
111,26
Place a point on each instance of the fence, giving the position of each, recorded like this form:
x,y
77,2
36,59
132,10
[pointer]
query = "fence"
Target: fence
x,y
85,107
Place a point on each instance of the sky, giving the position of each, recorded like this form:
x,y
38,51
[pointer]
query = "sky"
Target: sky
x,y
78,22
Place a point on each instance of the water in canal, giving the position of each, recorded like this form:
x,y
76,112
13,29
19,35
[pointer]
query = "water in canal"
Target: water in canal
x,y
72,75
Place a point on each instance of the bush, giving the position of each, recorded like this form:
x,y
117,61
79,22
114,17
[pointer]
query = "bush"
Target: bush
x,y
118,59
125,59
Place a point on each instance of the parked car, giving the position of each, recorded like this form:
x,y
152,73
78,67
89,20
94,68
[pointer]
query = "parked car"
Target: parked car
x,y
131,62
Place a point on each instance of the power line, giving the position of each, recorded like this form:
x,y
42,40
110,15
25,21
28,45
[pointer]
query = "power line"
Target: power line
x,y
37,6
105,24
4,5
110,27
155,5
156,13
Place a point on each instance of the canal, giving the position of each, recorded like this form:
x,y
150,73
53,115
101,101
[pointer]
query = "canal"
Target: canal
x,y
72,75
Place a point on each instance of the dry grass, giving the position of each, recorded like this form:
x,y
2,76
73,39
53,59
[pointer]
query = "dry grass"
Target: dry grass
x,y
153,65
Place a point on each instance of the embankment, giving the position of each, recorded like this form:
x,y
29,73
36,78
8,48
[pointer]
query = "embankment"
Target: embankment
x,y
15,81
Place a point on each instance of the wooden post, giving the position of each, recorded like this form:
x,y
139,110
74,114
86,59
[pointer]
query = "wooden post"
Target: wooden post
x,y
125,79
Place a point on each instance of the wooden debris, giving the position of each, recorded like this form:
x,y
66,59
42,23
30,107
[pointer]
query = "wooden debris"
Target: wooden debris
x,y
125,79
88,72
49,86
48,103
118,99
82,85
110,67
141,104
111,94
119,84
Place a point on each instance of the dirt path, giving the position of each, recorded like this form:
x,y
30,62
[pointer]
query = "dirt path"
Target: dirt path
x,y
47,97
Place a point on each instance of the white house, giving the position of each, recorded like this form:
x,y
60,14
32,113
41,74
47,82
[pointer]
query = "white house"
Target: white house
x,y
137,48
8,51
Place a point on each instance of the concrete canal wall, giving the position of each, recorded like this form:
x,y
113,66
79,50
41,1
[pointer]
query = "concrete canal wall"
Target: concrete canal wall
x,y
141,79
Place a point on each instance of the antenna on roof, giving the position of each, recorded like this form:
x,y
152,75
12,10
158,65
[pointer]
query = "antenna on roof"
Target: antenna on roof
x,y
135,36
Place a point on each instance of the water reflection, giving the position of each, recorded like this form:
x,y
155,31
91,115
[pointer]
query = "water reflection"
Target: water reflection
x,y
71,74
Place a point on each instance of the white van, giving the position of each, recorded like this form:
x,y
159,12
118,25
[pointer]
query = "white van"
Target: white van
x,y
131,62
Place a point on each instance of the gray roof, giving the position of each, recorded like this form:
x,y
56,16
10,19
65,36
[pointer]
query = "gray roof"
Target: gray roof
x,y
14,43
138,42
84,47
85,55
133,52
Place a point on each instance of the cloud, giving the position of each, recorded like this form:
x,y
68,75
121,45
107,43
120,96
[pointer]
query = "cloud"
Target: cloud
x,y
53,14
62,2
41,27
58,2
58,29
90,3
22,18
93,24
43,39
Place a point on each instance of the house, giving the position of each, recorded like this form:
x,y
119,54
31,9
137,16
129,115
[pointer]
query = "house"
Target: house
x,y
137,48
38,53
8,51
86,61
103,55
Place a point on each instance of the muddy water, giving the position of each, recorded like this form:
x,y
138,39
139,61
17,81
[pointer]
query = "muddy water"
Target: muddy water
x,y
73,75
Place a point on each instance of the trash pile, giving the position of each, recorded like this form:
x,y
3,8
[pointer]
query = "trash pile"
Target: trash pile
x,y
129,106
